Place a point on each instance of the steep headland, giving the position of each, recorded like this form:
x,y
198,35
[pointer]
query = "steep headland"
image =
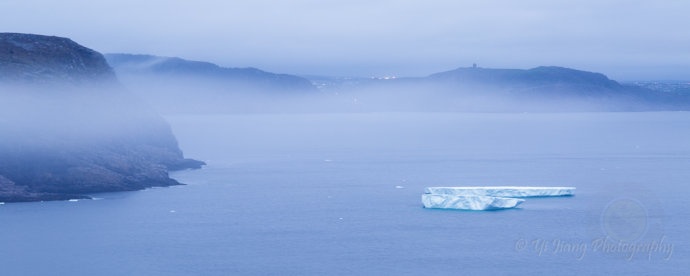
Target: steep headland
x,y
68,128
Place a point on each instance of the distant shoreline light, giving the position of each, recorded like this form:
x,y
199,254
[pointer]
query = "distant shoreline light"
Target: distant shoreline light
x,y
385,78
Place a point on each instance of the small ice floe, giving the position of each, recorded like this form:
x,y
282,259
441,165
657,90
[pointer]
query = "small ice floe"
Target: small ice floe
x,y
399,187
2,203
73,200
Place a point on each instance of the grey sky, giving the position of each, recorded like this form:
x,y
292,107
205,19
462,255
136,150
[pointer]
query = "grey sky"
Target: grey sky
x,y
626,40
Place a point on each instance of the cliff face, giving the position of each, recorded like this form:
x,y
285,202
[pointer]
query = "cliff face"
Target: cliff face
x,y
32,59
67,128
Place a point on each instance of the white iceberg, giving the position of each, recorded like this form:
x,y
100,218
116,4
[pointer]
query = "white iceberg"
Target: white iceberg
x,y
501,191
478,203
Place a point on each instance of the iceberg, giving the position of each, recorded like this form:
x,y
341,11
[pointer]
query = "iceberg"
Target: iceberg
x,y
478,203
501,191
486,197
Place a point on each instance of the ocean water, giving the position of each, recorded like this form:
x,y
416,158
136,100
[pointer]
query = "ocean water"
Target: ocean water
x,y
339,194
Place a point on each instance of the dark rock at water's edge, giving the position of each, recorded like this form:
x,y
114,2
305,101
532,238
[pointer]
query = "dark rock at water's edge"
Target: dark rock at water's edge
x,y
10,192
68,128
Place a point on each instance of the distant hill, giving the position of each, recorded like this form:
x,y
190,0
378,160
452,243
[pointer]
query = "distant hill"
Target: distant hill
x,y
554,83
540,78
174,85
546,88
242,78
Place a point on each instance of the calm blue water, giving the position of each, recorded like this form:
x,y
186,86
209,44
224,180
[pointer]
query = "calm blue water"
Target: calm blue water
x,y
339,194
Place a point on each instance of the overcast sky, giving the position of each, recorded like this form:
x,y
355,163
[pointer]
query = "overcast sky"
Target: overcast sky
x,y
627,40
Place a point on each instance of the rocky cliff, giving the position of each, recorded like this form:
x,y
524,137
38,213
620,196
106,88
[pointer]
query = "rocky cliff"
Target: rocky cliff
x,y
32,59
68,128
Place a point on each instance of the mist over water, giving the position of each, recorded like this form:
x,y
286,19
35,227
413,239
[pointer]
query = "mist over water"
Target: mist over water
x,y
340,194
329,181
83,114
